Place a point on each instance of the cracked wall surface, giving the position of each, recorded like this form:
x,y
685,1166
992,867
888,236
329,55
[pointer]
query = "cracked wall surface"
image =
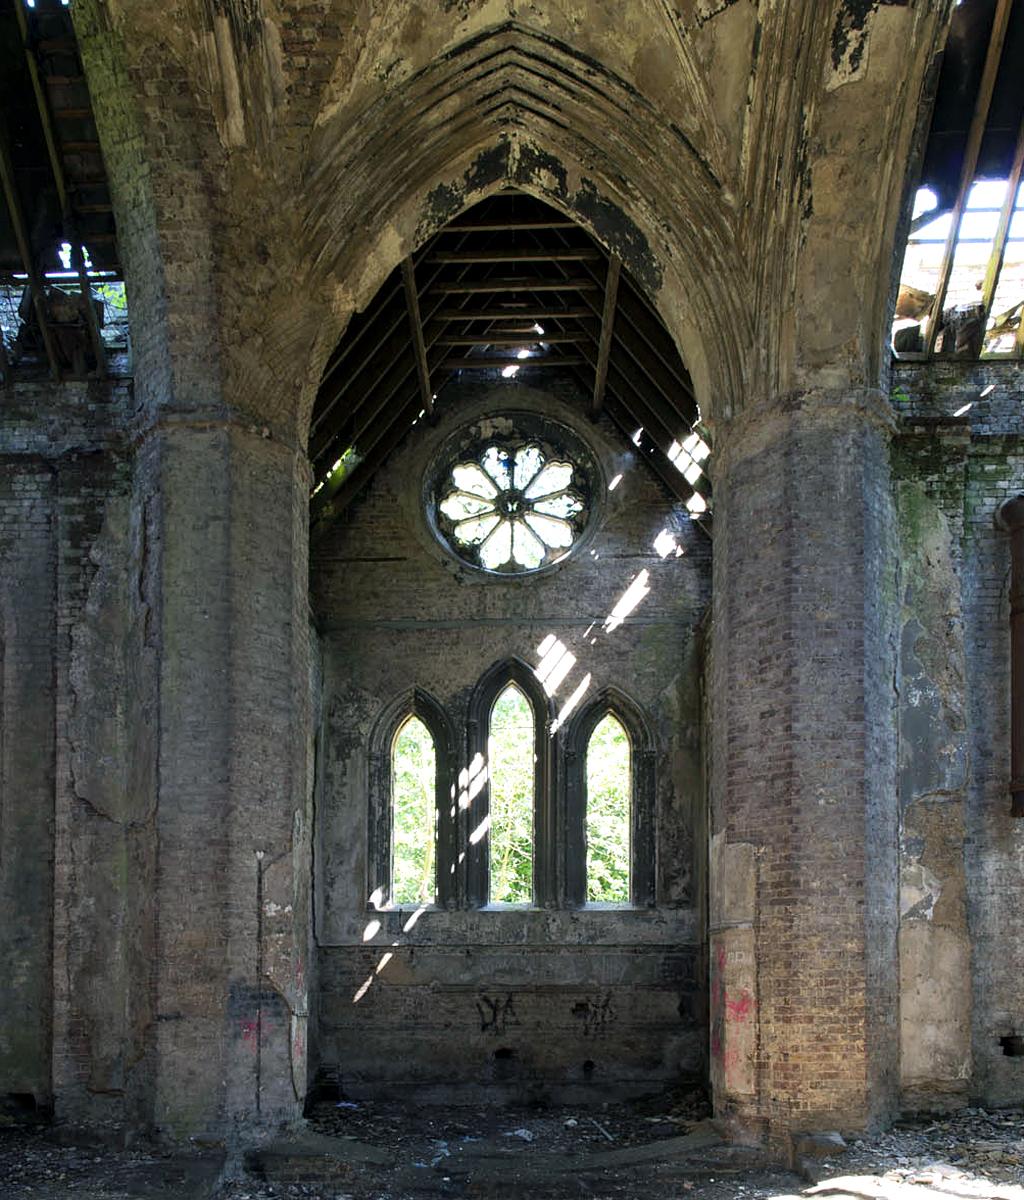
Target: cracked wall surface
x,y
961,856
548,1002
270,164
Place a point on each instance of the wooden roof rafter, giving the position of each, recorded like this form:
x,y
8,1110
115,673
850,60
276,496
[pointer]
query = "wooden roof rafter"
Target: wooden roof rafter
x,y
509,286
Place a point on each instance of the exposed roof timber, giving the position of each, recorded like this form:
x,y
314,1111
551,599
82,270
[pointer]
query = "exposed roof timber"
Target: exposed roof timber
x,y
491,361
416,328
506,226
375,396
509,314
611,289
995,262
670,383
641,320
970,163
57,180
488,280
511,337
35,282
328,399
519,285
517,255
334,499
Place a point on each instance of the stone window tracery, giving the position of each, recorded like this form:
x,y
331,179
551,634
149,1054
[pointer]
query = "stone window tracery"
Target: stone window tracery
x,y
539,816
513,502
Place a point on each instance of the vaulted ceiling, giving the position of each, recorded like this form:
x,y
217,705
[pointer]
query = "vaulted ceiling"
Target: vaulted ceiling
x,y
509,289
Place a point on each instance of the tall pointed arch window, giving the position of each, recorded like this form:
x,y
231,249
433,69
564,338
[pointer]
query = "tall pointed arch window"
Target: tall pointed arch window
x,y
413,814
411,833
609,803
511,767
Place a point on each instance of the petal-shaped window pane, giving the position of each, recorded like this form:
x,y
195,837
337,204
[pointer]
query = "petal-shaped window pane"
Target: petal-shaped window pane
x,y
529,461
609,796
555,477
460,505
473,531
413,814
510,755
497,549
565,505
527,548
550,530
498,464
469,478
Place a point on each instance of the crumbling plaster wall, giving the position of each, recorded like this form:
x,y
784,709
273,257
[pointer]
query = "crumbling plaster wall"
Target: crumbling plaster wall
x,y
962,856
253,152
555,990
77,836
249,240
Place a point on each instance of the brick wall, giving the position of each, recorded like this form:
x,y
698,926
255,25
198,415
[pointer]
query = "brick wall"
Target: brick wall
x,y
803,881
966,856
554,990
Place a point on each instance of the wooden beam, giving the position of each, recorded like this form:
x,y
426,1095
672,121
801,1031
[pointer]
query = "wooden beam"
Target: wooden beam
x,y
995,262
416,327
970,163
67,216
611,291
20,228
324,407
517,285
504,337
491,363
660,367
505,226
516,255
330,501
513,314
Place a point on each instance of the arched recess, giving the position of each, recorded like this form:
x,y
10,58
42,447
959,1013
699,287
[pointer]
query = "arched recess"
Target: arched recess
x,y
642,812
474,804
420,704
514,108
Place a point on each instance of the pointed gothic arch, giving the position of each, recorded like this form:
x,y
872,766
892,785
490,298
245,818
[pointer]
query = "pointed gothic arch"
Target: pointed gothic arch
x,y
611,700
380,828
489,687
587,143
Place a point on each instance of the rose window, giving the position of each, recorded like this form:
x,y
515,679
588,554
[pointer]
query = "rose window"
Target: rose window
x,y
513,508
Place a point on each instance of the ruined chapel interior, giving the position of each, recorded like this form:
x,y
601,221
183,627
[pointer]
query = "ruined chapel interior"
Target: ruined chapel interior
x,y
511,558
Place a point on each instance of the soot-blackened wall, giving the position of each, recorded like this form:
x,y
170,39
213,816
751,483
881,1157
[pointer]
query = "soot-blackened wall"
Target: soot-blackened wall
x,y
521,1002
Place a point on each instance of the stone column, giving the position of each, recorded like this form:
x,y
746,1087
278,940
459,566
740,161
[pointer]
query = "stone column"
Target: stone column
x,y
232,815
804,816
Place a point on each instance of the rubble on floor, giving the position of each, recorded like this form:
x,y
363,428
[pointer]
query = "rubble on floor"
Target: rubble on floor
x,y
377,1151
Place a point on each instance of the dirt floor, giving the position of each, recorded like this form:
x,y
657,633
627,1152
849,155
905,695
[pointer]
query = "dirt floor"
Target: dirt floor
x,y
388,1152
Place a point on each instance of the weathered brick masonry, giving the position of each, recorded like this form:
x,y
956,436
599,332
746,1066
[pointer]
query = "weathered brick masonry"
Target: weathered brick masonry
x,y
269,168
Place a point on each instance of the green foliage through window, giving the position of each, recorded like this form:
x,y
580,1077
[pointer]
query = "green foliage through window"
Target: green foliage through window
x,y
414,814
609,792
511,764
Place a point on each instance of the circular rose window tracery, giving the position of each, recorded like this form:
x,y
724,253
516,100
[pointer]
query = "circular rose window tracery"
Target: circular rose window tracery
x,y
510,505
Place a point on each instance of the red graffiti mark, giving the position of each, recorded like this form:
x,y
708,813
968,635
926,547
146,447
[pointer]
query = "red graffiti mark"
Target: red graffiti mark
x,y
740,1009
250,1031
717,979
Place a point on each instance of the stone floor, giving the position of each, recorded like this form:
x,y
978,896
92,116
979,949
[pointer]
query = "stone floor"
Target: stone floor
x,y
387,1152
